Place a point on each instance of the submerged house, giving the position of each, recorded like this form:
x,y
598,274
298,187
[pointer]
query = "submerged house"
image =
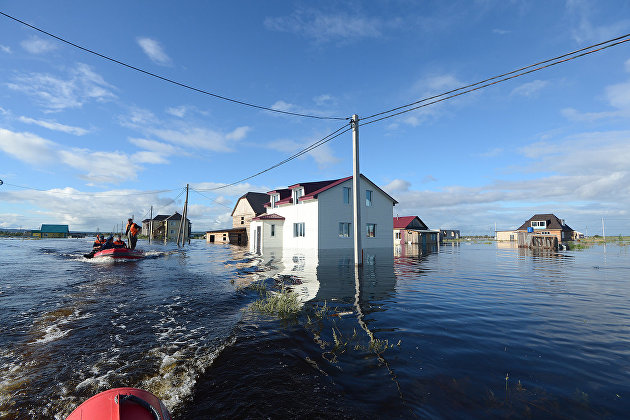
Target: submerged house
x,y
52,231
165,227
246,208
547,225
412,230
319,216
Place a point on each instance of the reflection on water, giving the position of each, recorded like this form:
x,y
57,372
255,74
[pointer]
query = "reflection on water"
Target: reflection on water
x,y
469,330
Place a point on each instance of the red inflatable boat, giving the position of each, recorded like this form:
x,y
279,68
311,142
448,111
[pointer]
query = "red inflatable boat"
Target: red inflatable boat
x,y
123,253
121,404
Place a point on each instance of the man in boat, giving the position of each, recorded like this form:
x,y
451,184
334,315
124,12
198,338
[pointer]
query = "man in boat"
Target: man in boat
x,y
119,243
98,242
132,233
109,243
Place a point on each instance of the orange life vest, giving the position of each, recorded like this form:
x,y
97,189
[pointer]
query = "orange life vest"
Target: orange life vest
x,y
134,229
119,243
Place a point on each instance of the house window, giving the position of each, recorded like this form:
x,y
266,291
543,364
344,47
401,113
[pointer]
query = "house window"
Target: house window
x,y
368,198
242,220
371,230
273,230
539,224
297,193
298,229
397,235
274,200
346,195
344,230
172,231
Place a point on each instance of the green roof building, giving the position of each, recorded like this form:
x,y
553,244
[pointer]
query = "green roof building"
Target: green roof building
x,y
52,231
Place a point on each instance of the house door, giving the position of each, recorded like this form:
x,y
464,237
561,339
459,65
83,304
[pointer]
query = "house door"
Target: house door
x,y
238,240
211,238
258,239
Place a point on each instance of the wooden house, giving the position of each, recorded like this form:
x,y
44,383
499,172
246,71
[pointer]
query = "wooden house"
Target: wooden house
x,y
247,207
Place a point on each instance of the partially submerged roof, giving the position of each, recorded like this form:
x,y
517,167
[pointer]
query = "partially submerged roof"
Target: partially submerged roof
x,y
256,200
552,222
54,229
409,222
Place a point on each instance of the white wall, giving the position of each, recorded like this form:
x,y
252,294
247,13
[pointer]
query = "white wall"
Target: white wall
x,y
332,211
299,213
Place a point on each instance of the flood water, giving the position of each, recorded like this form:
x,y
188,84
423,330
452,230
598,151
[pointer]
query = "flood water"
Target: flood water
x,y
472,330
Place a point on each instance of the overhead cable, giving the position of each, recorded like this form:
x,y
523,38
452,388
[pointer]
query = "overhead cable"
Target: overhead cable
x,y
341,130
502,78
98,194
166,79
214,200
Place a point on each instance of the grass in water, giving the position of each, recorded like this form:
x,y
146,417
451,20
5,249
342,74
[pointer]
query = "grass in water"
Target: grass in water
x,y
283,304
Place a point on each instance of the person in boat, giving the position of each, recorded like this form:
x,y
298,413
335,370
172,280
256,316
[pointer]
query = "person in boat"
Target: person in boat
x,y
98,242
109,243
119,243
132,231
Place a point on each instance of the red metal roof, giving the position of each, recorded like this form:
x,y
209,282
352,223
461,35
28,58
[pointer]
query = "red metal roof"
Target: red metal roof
x,y
403,222
272,216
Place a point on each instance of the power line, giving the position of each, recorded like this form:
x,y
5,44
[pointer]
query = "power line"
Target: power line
x,y
213,200
166,79
318,143
98,194
502,78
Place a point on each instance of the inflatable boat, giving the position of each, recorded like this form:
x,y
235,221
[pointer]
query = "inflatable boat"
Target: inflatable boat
x,y
117,253
121,404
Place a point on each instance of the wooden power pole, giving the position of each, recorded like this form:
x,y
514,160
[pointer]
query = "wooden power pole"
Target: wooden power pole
x,y
356,186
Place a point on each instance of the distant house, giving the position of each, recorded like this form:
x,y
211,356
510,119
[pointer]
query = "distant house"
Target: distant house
x,y
547,224
246,208
52,231
165,227
449,234
319,215
412,230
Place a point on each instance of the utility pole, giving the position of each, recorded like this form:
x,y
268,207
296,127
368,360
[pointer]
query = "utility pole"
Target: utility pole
x,y
181,222
603,231
151,226
356,186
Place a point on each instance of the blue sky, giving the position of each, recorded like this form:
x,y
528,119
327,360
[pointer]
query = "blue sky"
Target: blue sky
x,y
95,142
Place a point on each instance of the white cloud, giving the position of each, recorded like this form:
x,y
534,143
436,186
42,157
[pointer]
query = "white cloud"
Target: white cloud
x,y
5,49
322,27
85,211
397,185
583,30
37,45
58,94
103,167
156,146
200,138
27,147
154,51
53,125
500,31
179,111
530,89
323,155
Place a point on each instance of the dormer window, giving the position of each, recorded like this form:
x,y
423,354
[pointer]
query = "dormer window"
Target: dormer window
x,y
274,200
297,193
539,224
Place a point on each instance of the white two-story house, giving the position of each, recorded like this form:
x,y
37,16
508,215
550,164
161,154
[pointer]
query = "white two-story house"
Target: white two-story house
x,y
319,216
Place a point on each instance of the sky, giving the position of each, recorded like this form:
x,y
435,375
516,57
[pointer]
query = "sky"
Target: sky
x,y
88,142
